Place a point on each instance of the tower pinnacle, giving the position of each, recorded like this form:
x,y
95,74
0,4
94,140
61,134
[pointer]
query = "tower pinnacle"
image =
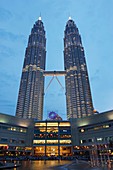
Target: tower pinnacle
x,y
69,18
40,18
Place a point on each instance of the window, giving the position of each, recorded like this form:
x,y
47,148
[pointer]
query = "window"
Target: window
x,y
65,136
52,141
90,140
38,141
82,141
13,140
99,139
52,129
52,124
106,126
21,141
4,140
65,141
40,130
64,130
64,124
40,124
4,127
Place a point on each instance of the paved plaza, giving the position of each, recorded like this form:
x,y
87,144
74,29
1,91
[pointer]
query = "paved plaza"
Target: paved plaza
x,y
82,165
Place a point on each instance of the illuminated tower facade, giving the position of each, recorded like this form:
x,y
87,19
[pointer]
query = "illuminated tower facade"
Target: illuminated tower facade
x,y
31,92
78,94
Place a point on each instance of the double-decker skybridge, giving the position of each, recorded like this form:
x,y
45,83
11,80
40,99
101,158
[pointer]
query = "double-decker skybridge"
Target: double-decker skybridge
x,y
54,74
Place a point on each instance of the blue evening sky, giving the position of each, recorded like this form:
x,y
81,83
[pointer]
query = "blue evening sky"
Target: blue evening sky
x,y
94,19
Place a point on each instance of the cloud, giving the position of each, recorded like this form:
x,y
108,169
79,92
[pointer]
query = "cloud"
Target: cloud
x,y
5,15
5,35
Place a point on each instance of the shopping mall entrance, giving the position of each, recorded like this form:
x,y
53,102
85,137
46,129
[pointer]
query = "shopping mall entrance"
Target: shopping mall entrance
x,y
54,151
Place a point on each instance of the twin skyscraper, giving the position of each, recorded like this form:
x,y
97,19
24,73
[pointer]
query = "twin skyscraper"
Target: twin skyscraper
x,y
31,92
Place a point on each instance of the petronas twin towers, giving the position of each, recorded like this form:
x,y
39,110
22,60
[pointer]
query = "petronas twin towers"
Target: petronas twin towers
x,y
31,92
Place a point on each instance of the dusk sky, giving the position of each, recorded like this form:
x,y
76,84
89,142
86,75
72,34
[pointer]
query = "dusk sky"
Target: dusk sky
x,y
94,19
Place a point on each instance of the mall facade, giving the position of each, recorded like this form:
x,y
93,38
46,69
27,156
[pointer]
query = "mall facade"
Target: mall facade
x,y
77,137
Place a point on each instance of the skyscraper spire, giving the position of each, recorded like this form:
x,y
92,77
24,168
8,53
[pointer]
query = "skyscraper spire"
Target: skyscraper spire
x,y
78,94
40,18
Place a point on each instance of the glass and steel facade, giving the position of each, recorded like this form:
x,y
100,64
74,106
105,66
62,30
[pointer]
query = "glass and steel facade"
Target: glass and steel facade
x,y
31,92
78,94
52,138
